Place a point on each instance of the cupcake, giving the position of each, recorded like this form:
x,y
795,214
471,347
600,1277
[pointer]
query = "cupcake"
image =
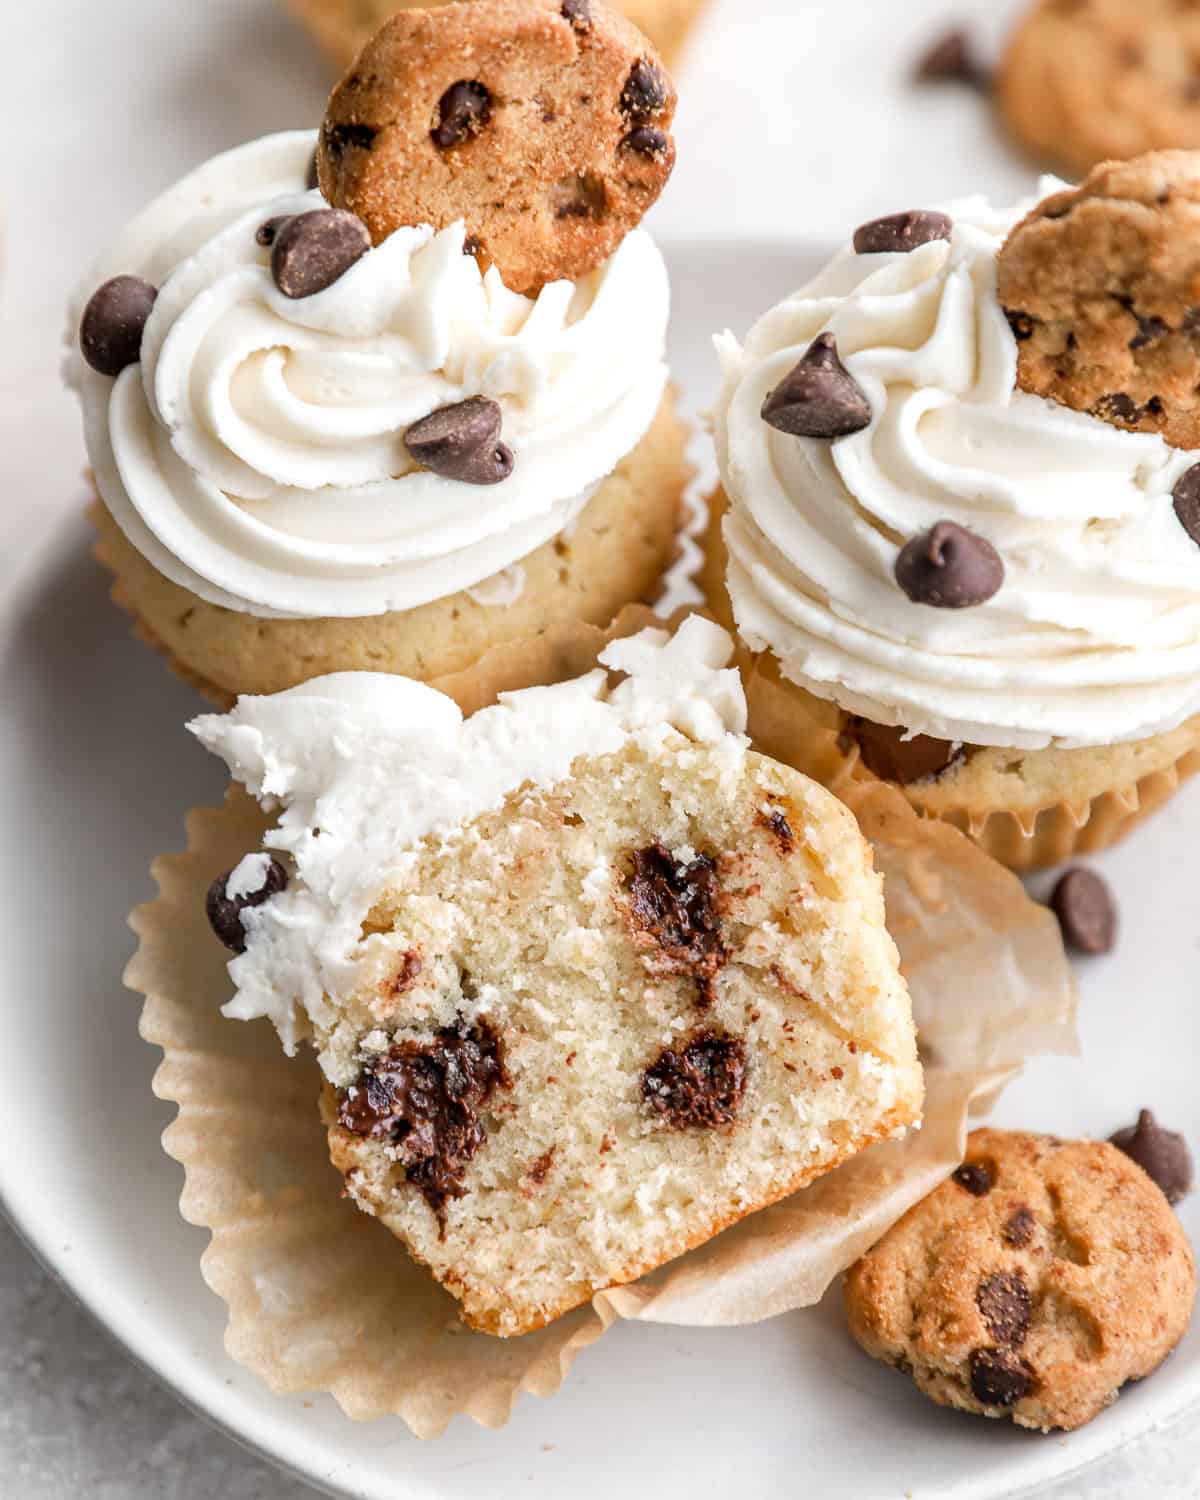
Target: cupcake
x,y
955,528
588,980
342,26
393,433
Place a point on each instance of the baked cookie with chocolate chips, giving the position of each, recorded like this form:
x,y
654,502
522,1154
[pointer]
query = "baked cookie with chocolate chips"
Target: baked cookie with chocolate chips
x,y
1033,1284
1085,81
1101,285
545,126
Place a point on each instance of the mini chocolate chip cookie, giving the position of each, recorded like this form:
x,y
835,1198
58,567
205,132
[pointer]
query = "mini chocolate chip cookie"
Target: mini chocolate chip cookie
x,y
1101,285
546,127
1033,1284
1084,81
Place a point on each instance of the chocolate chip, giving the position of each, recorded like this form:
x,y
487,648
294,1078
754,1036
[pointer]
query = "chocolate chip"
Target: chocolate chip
x,y
699,1087
1086,912
110,331
266,233
820,398
426,1098
1186,495
225,912
579,13
463,110
312,177
902,233
1018,1228
677,906
1020,323
975,1177
1162,1154
645,92
888,754
1005,1305
999,1377
948,567
646,140
1149,329
472,245
339,138
313,250
777,824
950,60
1118,407
462,442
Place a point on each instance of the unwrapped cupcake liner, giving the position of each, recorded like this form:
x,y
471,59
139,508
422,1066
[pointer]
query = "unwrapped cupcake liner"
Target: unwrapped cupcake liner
x,y
321,1298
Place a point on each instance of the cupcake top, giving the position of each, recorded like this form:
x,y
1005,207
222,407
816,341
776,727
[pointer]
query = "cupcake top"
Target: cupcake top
x,y
922,542
364,769
265,452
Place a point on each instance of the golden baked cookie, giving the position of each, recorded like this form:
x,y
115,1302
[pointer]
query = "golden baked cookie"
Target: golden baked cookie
x,y
1101,285
616,554
544,125
342,27
1033,1284
1083,81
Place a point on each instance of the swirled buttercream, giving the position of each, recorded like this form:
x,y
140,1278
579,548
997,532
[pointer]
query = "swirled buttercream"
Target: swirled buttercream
x,y
256,456
1094,637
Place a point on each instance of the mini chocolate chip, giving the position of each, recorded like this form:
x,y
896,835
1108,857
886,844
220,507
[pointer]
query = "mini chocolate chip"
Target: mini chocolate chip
x,y
950,60
975,1177
579,13
1162,1154
462,442
778,826
701,1086
312,177
888,754
1186,495
1086,912
819,398
463,110
1020,323
339,138
1018,1228
1005,1306
315,249
999,1377
225,912
646,140
902,233
1119,407
265,233
1148,330
110,331
949,567
645,92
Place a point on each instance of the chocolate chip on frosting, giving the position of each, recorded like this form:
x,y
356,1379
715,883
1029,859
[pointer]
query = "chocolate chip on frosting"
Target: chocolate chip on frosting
x,y
463,110
902,233
700,1086
110,331
462,442
266,232
225,912
1162,1154
1186,496
1086,912
819,398
949,567
313,250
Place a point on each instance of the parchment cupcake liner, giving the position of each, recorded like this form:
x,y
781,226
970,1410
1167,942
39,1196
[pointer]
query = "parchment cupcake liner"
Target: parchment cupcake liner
x,y
321,1298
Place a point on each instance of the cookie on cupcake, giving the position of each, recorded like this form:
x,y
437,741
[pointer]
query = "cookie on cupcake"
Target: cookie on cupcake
x,y
587,978
392,428
955,529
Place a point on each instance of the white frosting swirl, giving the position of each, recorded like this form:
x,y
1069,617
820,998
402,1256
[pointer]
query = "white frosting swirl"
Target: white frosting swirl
x,y
256,454
1094,637
379,764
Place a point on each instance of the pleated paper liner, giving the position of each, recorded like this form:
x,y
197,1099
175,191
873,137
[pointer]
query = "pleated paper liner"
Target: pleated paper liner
x,y
321,1298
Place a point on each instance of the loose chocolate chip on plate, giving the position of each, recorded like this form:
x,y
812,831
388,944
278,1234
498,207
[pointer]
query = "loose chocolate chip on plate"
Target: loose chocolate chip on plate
x,y
463,110
579,13
225,912
951,60
313,250
890,753
975,1177
902,233
1162,1154
266,233
1086,912
110,331
462,442
999,1377
645,92
949,567
819,398
1005,1305
1186,495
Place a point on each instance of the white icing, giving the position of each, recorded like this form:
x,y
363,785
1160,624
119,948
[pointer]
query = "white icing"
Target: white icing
x,y
247,876
379,764
1094,637
255,455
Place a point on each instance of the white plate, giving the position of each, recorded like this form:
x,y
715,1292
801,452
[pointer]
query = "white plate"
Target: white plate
x,y
95,773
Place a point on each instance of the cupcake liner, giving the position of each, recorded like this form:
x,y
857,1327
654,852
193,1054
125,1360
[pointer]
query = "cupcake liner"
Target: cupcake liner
x,y
321,1298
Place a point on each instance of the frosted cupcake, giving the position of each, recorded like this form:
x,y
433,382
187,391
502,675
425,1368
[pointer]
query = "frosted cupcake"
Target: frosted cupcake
x,y
321,447
946,581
